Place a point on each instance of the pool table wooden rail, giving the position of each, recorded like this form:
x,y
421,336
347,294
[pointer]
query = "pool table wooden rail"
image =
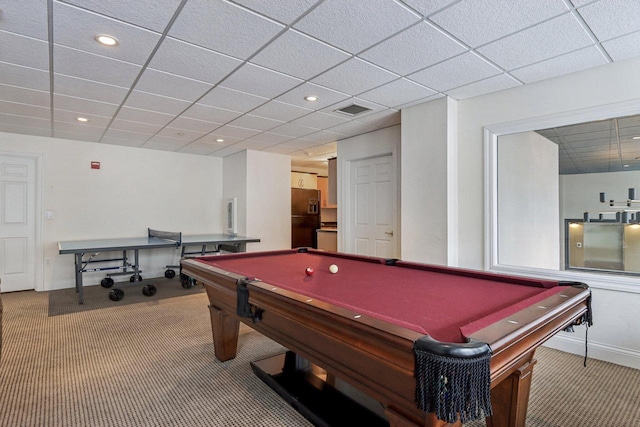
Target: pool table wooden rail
x,y
375,356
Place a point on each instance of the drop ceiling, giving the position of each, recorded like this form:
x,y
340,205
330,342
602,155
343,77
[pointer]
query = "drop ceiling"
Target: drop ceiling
x,y
602,146
214,77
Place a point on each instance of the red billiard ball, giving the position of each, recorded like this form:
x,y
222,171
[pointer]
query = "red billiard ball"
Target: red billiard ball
x,y
309,271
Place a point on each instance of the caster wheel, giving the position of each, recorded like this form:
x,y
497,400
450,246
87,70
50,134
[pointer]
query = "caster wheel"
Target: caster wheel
x,y
116,294
149,290
135,277
170,274
107,282
187,282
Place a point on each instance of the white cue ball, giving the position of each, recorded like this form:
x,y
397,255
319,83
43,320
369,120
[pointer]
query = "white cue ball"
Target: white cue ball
x,y
333,268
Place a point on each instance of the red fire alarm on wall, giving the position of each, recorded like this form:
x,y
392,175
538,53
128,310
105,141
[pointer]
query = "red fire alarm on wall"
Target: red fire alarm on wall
x,y
95,165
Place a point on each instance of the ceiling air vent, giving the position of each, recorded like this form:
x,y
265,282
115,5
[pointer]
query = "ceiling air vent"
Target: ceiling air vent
x,y
353,109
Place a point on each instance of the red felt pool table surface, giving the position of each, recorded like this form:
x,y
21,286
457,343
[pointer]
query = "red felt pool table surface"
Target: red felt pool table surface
x,y
444,303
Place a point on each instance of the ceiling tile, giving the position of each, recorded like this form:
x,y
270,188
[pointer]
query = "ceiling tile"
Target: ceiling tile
x,y
249,144
77,28
26,17
322,137
261,81
355,76
85,106
294,131
25,110
477,22
535,44
325,96
224,27
420,101
280,111
353,128
152,102
347,25
161,83
299,55
77,131
249,121
140,128
25,130
320,120
25,51
26,122
71,117
623,47
210,114
123,142
284,11
612,18
397,92
235,132
301,144
125,135
144,116
413,49
564,64
29,78
193,124
269,138
230,99
88,89
98,68
24,96
212,138
427,8
188,60
187,135
198,148
151,14
629,121
165,143
492,84
227,151
281,149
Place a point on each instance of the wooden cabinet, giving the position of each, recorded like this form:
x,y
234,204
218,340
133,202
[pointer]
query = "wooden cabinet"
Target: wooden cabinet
x,y
323,186
304,180
333,182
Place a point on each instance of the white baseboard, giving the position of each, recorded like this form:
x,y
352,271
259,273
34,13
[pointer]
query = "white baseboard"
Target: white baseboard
x,y
596,350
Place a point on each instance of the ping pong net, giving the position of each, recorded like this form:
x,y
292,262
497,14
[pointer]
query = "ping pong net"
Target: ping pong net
x,y
166,235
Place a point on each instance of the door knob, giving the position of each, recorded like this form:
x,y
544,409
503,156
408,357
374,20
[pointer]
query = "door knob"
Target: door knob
x,y
390,233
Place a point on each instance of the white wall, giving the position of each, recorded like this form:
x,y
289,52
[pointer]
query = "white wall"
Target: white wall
x,y
614,337
269,196
134,189
528,201
261,182
612,83
429,183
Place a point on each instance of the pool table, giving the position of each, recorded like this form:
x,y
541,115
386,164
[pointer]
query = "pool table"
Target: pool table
x,y
434,345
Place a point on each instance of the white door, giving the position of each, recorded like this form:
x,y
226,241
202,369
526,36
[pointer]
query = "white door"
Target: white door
x,y
374,200
17,223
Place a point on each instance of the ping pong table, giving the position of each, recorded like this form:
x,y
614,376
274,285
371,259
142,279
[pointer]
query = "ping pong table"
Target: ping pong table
x,y
86,252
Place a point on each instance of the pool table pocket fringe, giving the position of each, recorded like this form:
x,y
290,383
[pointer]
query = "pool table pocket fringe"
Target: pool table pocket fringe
x,y
453,388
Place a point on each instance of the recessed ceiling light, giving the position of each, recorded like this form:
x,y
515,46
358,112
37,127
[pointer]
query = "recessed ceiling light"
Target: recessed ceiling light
x,y
311,98
625,166
82,119
219,140
636,137
106,40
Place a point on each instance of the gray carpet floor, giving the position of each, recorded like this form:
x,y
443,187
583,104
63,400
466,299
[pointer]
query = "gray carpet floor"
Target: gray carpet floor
x,y
151,363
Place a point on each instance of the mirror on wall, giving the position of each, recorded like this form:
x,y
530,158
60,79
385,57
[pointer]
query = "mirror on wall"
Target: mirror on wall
x,y
549,211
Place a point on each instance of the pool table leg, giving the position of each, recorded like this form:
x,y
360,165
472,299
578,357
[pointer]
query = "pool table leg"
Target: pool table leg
x,y
511,397
225,330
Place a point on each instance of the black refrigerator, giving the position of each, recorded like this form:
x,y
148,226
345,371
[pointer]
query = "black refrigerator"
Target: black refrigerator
x,y
305,217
